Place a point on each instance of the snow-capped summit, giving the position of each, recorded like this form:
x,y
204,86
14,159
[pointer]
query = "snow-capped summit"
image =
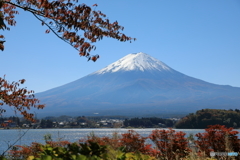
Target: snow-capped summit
x,y
137,84
135,61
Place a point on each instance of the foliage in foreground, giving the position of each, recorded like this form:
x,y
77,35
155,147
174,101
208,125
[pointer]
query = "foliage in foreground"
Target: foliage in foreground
x,y
169,145
21,99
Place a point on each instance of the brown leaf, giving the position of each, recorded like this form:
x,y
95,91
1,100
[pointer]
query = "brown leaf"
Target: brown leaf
x,y
1,46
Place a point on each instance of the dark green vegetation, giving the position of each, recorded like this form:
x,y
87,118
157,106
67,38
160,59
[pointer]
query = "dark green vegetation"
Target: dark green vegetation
x,y
202,118
152,122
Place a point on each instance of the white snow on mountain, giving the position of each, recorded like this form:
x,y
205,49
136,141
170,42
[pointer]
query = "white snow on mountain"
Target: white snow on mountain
x,y
135,61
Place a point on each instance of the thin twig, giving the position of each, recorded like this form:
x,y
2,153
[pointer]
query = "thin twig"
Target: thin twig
x,y
10,146
53,30
35,13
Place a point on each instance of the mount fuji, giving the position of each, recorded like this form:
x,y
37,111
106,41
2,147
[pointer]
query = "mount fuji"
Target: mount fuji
x,y
137,84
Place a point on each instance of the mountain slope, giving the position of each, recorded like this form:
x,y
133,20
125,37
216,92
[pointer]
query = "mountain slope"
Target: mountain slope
x,y
138,83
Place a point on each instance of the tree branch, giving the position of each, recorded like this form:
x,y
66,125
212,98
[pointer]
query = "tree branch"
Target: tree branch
x,y
10,146
36,14
25,8
53,30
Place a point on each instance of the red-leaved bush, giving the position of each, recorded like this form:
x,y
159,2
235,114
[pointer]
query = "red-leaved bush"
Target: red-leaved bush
x,y
22,152
134,142
111,141
218,138
170,144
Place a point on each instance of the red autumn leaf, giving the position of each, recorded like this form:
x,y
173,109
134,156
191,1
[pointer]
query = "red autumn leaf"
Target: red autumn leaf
x,y
1,46
94,59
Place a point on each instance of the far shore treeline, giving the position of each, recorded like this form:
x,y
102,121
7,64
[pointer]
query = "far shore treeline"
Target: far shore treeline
x,y
199,120
202,118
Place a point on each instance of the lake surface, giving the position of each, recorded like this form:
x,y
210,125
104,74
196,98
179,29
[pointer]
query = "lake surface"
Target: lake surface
x,y
73,135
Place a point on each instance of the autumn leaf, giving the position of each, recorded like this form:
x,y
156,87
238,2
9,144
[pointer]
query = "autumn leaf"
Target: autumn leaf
x,y
94,59
1,46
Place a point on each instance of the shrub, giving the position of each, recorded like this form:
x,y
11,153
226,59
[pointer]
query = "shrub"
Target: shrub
x,y
134,142
218,138
113,141
22,152
170,144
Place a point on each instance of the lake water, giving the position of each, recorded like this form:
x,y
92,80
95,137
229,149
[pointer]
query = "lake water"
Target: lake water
x,y
37,135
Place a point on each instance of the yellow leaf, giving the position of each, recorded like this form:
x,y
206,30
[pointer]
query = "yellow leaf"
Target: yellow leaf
x,y
30,158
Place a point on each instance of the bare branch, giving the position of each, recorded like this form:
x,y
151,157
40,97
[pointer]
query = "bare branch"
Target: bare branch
x,y
10,146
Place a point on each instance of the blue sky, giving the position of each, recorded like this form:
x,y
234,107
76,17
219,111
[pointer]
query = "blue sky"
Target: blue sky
x,y
199,38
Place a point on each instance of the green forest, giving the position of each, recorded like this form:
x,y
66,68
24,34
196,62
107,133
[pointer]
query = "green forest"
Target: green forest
x,y
151,122
202,118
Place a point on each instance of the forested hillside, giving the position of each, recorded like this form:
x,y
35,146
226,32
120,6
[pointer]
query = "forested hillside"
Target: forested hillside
x,y
202,118
148,122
